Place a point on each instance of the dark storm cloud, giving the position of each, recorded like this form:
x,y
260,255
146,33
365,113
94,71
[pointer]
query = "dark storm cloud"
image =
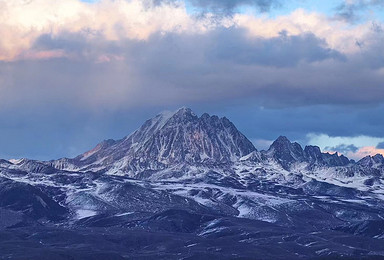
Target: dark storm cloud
x,y
278,72
350,10
223,64
104,89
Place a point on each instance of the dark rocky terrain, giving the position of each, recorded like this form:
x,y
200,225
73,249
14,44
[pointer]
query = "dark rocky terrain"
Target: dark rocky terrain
x,y
189,187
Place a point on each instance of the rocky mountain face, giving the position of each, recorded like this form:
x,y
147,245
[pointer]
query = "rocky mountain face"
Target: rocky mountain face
x,y
287,153
196,185
372,161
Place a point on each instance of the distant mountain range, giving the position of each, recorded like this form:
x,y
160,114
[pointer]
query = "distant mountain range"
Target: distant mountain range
x,y
201,181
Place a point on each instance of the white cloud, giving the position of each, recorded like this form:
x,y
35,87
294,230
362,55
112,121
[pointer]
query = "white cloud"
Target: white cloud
x,y
22,22
365,151
338,34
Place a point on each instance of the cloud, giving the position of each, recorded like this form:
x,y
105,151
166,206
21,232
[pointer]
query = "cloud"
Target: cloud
x,y
338,34
280,51
343,149
122,50
43,55
324,140
225,6
380,145
366,151
350,10
181,67
229,5
23,22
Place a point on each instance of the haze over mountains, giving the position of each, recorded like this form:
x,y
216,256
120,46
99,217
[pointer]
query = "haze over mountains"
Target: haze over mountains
x,y
201,181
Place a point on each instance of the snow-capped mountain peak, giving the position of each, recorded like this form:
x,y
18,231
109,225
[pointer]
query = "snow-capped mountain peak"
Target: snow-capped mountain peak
x,y
169,139
372,161
286,152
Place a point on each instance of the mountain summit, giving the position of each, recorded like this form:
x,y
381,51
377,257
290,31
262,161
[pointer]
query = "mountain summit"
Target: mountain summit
x,y
286,152
168,139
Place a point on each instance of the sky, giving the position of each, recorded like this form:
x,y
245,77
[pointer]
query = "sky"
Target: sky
x,y
73,73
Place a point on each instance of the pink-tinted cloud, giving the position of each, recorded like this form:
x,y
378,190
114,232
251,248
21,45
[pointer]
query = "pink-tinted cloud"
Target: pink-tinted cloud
x,y
365,151
105,58
42,55
23,22
360,153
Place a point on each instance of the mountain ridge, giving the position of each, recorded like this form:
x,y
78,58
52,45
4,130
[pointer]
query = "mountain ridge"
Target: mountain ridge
x,y
183,138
